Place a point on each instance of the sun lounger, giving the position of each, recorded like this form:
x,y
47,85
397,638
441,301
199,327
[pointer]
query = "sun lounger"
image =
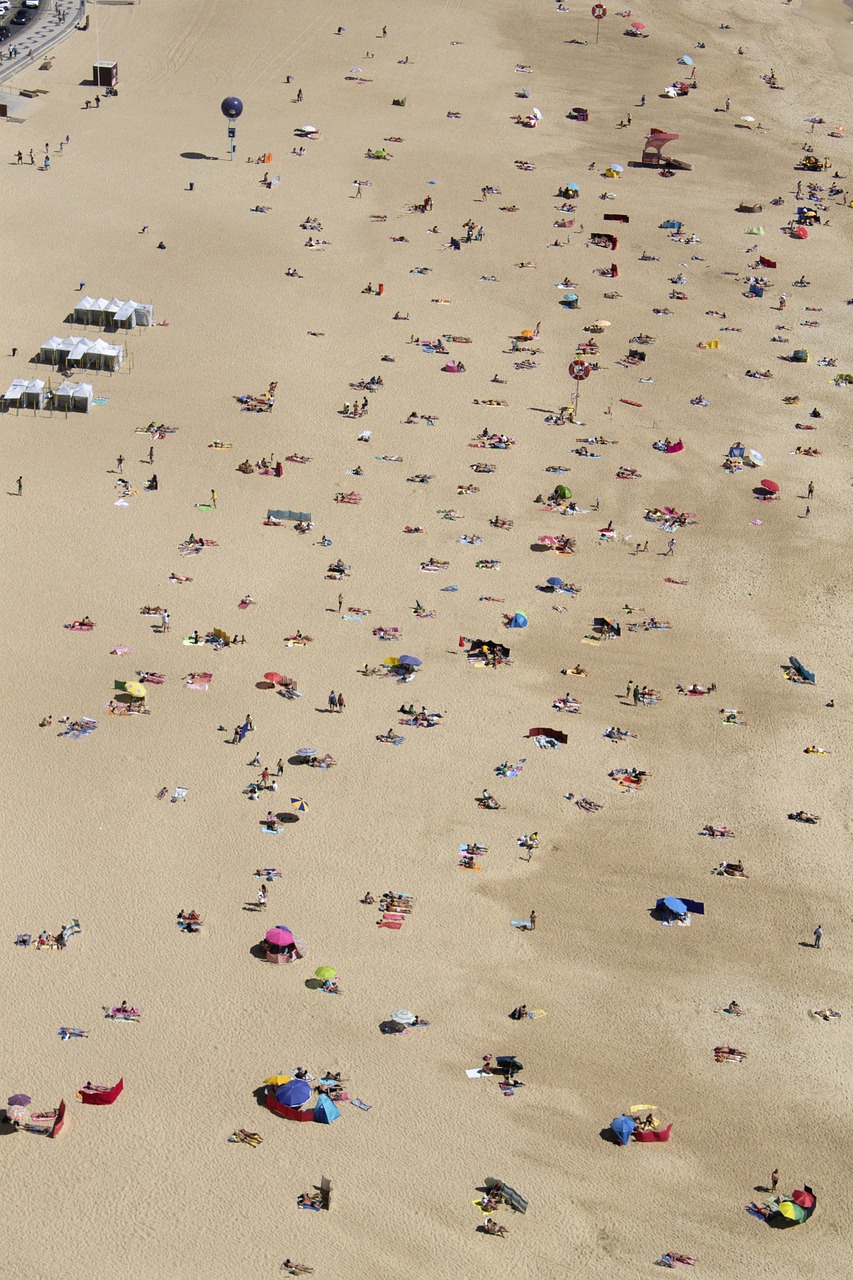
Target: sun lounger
x,y
180,793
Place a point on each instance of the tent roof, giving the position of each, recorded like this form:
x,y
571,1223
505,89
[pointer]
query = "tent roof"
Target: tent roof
x,y
69,388
20,386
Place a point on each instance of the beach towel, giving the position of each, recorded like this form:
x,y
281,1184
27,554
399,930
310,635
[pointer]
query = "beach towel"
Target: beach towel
x,y
362,1106
520,924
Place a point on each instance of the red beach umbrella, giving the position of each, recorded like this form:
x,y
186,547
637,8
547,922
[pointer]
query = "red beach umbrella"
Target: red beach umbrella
x,y
770,485
273,677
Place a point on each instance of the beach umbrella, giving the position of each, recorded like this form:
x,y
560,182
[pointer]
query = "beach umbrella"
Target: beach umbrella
x,y
279,936
403,1016
793,1211
325,973
406,660
638,26
134,688
605,324
509,1065
307,128
19,1115
555,582
19,1100
294,1093
748,119
676,906
277,1080
306,751
273,676
547,540
804,1198
770,485
686,60
391,662
298,804
623,1127
756,456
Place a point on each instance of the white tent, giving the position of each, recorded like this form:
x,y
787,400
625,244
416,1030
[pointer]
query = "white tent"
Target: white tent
x,y
74,396
103,355
25,393
90,352
113,312
90,310
127,315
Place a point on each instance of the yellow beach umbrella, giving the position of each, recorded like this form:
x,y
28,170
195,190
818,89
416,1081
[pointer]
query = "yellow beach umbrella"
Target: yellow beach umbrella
x,y
135,689
277,1080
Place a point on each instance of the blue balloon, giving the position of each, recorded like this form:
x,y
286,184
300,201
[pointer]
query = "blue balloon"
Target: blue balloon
x,y
232,108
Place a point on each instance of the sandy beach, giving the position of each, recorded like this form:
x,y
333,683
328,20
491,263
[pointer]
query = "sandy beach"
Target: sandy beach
x,y
629,1010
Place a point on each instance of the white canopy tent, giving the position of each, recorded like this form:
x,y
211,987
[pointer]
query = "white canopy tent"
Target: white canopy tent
x,y
113,312
73,396
25,393
91,353
90,310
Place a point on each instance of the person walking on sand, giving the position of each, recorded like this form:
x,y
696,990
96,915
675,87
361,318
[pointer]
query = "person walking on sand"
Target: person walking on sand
x,y
774,1181
810,490
20,486
119,464
628,689
670,550
164,620
340,601
341,703
262,898
213,498
532,922
279,769
818,937
333,701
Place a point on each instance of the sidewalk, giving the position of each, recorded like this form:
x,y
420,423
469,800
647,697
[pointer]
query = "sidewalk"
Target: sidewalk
x,y
39,38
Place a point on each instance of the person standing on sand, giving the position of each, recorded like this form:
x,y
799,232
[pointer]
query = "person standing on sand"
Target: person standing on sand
x,y
532,922
279,769
119,464
20,485
333,701
670,551
341,703
774,1181
810,490
340,602
262,898
213,498
818,937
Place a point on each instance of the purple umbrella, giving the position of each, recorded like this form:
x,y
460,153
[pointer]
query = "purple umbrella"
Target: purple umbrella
x,y
19,1100
406,660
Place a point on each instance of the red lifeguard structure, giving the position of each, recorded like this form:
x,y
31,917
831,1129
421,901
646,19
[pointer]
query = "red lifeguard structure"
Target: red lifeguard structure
x,y
653,157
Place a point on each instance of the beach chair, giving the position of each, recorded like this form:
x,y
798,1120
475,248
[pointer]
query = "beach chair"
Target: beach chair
x,y
23,939
180,793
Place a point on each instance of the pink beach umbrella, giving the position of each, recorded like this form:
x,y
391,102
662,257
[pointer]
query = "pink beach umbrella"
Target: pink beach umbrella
x,y
280,936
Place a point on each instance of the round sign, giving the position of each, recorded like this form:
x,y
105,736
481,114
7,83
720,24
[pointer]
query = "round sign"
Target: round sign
x,y
579,369
599,11
231,108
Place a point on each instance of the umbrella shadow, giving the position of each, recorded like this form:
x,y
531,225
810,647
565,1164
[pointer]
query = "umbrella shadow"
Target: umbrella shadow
x,y
313,984
197,155
607,1135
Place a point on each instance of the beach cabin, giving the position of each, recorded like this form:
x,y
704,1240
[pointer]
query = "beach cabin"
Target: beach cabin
x,y
73,397
89,310
127,315
87,352
25,393
113,313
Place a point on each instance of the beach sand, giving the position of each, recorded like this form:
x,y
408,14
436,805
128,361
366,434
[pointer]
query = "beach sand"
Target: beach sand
x,y
150,1187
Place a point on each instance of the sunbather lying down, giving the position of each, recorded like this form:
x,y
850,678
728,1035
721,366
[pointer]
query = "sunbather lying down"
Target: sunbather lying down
x,y
492,1228
826,1014
244,1135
